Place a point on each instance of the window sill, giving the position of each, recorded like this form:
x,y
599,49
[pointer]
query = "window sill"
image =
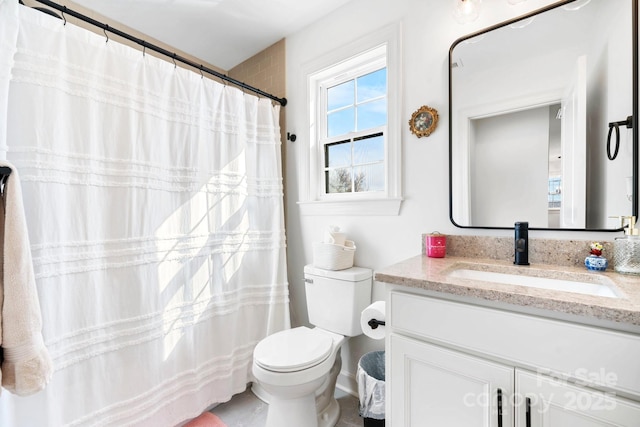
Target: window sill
x,y
382,207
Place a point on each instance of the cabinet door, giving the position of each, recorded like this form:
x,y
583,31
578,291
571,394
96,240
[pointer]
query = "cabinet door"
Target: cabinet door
x,y
434,386
555,403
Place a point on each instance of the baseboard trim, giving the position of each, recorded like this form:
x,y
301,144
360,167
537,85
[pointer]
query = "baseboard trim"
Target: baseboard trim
x,y
347,383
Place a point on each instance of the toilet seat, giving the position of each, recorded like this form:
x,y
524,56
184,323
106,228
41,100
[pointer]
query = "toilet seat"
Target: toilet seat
x,y
293,350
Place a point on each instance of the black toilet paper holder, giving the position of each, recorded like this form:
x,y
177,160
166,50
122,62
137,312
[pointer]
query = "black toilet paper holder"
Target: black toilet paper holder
x,y
374,323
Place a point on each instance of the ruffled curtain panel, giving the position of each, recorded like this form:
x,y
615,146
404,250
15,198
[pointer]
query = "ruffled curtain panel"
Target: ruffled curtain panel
x,y
154,206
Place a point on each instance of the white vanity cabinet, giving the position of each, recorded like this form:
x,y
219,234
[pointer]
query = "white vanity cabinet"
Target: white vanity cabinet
x,y
544,401
459,364
434,386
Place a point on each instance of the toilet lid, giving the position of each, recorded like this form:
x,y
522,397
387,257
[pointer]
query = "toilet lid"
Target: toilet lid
x,y
293,350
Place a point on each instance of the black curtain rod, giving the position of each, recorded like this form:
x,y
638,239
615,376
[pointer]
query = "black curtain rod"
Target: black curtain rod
x,y
172,55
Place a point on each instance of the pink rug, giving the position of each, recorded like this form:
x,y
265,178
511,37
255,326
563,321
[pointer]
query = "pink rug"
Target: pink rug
x,y
206,420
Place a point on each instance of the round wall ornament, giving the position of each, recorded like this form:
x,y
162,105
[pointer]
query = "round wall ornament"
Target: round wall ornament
x,y
423,121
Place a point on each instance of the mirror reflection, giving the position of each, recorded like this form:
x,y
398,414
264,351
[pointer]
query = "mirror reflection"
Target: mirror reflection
x,y
530,107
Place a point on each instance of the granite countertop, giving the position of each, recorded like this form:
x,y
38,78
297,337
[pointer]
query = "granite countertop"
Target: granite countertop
x,y
433,274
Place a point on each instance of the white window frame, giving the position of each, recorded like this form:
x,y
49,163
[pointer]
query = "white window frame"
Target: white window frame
x,y
382,47
348,70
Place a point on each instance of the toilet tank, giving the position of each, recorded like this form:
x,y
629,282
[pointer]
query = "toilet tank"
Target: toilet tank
x,y
335,299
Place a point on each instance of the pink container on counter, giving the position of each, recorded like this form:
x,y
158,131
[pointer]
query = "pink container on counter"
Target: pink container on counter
x,y
436,245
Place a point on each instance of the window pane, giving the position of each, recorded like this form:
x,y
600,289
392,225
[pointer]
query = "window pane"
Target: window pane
x,y
340,122
368,150
337,154
340,96
338,180
372,114
555,192
369,177
372,85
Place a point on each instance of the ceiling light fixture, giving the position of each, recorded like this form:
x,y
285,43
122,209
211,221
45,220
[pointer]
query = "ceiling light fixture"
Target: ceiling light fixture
x,y
468,10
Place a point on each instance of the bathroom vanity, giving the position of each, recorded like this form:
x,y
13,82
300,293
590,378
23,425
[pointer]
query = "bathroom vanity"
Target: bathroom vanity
x,y
465,350
473,340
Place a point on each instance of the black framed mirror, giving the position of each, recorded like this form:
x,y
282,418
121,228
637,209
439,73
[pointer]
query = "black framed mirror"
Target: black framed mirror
x,y
531,103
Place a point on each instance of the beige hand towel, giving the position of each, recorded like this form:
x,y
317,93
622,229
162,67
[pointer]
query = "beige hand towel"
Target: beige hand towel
x,y
26,367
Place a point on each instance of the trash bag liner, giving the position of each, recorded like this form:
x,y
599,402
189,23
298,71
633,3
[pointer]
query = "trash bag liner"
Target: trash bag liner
x,y
371,385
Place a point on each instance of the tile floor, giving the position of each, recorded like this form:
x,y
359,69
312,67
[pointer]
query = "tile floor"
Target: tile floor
x,y
246,410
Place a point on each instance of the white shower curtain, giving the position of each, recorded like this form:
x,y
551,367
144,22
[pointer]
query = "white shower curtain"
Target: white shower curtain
x,y
154,205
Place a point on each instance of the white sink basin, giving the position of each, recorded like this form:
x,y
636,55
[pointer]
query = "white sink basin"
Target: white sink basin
x,y
602,287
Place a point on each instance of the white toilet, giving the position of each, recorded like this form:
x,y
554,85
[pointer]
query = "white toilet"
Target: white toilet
x,y
296,369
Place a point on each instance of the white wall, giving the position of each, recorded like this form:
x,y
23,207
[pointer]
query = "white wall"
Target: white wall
x,y
617,109
518,183
428,30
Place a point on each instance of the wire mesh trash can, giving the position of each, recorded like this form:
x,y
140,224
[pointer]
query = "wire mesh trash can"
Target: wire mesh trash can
x,y
371,388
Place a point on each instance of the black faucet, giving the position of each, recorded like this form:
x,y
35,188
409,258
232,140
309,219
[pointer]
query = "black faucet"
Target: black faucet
x,y
521,243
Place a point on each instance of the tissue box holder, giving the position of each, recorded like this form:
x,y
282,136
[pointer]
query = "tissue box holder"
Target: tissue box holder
x,y
333,257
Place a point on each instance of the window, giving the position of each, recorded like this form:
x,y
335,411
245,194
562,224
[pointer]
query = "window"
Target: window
x,y
354,135
555,192
358,104
355,165
354,150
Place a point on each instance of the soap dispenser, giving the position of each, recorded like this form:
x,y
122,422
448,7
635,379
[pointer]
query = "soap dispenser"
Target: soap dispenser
x,y
626,249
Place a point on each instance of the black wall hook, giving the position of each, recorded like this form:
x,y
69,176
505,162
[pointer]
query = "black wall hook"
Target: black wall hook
x,y
5,171
616,125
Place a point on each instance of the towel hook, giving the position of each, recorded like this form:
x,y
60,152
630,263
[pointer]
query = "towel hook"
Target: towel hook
x,y
616,125
5,171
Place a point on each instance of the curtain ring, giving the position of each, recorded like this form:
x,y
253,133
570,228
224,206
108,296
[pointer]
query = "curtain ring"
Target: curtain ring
x,y
617,146
201,75
144,48
104,30
64,18
173,58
